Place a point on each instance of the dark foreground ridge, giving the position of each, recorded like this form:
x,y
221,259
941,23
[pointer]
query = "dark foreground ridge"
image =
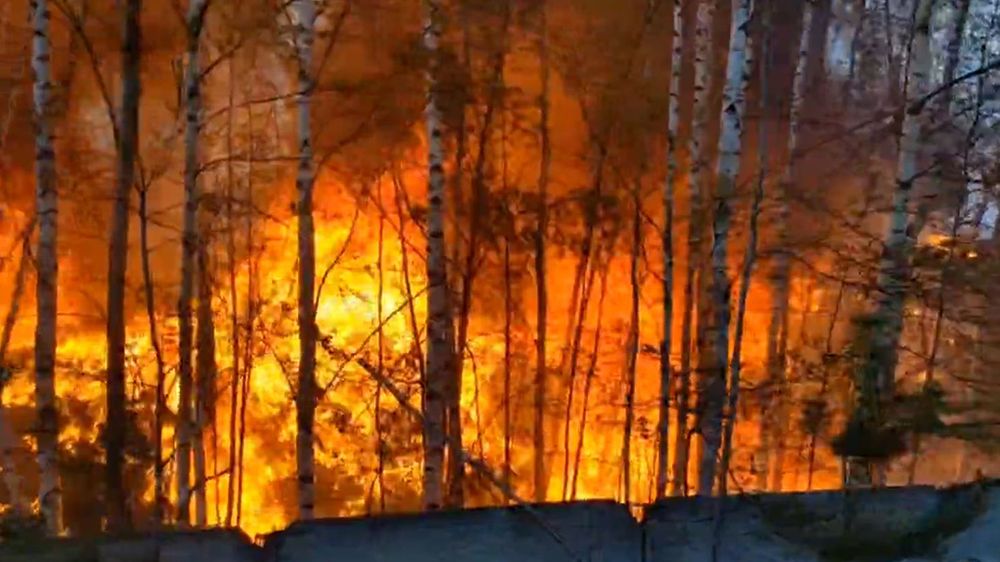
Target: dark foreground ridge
x,y
911,524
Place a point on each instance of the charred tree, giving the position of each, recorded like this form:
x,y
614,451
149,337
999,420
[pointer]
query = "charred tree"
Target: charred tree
x,y
478,210
160,495
234,314
251,319
632,345
127,152
8,439
588,381
541,289
205,369
583,287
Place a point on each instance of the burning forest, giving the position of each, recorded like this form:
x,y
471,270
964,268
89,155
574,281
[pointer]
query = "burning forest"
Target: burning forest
x,y
266,261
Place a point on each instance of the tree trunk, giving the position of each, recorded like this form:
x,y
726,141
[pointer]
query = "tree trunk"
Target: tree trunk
x,y
160,498
205,371
11,479
508,314
775,404
128,119
632,347
234,314
47,264
440,329
825,377
591,373
698,177
715,352
541,290
954,51
669,188
819,66
586,290
746,273
8,439
305,401
251,317
186,426
878,372
583,285
476,213
380,444
892,62
407,285
746,277
857,52
508,318
956,223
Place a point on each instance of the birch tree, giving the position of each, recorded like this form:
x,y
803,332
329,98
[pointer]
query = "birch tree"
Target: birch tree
x,y
749,257
440,328
775,407
712,387
877,376
128,139
669,188
304,12
47,263
698,146
954,49
186,426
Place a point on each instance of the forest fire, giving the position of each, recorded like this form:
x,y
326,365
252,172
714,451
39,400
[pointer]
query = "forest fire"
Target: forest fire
x,y
399,255
347,436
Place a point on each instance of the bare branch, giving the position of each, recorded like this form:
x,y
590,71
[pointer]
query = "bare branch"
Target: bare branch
x,y
918,105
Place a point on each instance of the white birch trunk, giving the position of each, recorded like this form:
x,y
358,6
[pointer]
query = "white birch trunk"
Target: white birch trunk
x,y
47,263
880,369
440,328
186,425
305,19
698,178
716,349
669,188
749,260
773,424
